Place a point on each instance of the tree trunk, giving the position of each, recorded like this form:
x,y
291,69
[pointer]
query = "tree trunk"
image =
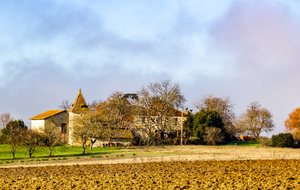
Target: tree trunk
x,y
83,147
50,152
13,155
92,143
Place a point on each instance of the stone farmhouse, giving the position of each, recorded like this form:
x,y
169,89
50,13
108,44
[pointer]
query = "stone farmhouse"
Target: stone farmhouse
x,y
65,120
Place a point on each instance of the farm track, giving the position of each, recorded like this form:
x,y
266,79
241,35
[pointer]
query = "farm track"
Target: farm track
x,y
177,153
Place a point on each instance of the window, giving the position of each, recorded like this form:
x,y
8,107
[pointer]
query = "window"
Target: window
x,y
63,128
176,120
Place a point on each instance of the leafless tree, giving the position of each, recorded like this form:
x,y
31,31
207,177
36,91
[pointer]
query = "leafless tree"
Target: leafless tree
x,y
87,127
93,105
223,106
115,113
255,120
213,136
51,133
156,106
31,139
5,118
66,105
14,133
80,133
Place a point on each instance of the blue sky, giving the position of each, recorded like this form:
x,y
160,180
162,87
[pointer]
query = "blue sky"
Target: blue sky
x,y
245,49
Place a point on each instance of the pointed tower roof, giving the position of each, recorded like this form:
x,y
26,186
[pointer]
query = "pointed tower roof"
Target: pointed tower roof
x,y
80,104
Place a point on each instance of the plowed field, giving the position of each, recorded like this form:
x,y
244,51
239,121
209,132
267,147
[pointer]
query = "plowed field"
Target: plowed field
x,y
241,174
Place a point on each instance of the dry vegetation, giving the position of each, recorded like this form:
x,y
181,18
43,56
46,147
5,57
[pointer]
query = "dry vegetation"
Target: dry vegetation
x,y
163,153
242,174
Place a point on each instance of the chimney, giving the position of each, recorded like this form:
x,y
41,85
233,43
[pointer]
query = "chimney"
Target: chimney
x,y
187,110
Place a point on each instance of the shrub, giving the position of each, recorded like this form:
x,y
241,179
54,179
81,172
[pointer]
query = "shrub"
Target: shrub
x,y
296,140
204,119
195,140
283,140
213,136
263,141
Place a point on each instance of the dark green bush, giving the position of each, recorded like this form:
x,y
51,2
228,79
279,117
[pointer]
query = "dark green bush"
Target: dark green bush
x,y
283,140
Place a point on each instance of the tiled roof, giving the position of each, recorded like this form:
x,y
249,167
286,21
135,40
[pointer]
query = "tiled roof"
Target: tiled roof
x,y
80,104
180,113
46,114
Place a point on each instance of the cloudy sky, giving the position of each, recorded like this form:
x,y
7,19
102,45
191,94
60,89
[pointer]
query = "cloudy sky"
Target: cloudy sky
x,y
248,50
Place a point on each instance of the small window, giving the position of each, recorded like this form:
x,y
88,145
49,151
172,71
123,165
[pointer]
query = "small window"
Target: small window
x,y
63,128
176,120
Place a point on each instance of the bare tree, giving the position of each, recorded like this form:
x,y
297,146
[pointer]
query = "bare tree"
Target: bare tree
x,y
213,136
80,133
66,105
31,139
5,118
51,134
13,131
256,120
115,113
93,105
156,107
87,127
223,106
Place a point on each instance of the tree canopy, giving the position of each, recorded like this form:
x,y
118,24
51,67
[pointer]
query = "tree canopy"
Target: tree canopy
x,y
204,119
156,104
255,120
221,105
292,124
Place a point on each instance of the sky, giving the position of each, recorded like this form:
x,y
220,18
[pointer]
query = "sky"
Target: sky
x,y
248,50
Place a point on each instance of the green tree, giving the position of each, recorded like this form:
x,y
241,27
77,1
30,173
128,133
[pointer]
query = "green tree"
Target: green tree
x,y
204,119
283,140
188,125
11,125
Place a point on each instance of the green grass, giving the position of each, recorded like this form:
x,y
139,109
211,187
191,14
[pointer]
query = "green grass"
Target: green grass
x,y
242,143
59,152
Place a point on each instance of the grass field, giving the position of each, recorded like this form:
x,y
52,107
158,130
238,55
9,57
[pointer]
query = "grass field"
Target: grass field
x,y
59,153
242,143
71,151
